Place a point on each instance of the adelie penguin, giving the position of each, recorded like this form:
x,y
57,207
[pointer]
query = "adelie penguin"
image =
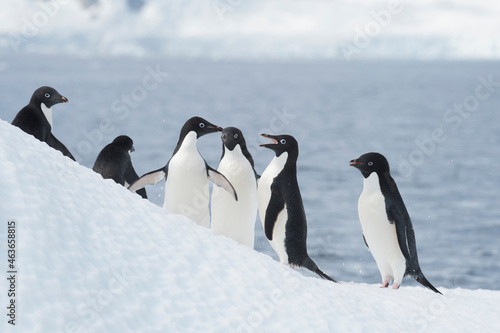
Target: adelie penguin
x,y
280,205
36,117
114,162
187,174
231,218
387,228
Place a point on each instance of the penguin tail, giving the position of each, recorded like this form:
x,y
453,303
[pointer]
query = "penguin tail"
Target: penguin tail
x,y
311,265
423,281
323,275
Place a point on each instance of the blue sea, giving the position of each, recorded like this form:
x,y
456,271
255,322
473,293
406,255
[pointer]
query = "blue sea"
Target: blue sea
x,y
436,122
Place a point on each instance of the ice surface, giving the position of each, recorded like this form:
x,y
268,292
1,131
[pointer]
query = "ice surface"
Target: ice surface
x,y
93,257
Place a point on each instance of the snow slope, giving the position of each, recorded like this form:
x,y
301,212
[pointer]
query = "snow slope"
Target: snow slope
x,y
93,257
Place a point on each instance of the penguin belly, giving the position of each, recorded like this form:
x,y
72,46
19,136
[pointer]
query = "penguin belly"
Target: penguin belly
x,y
380,235
231,218
47,113
186,187
279,232
264,196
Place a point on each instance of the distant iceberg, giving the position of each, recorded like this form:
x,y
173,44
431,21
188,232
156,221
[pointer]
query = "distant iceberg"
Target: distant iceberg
x,y
255,30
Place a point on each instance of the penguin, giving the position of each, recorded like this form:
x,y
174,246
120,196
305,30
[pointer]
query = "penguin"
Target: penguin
x,y
114,162
387,228
235,219
187,174
280,205
36,117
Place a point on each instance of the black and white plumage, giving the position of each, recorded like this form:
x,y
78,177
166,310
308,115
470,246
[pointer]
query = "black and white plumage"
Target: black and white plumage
x,y
114,162
187,174
280,205
231,218
387,228
36,117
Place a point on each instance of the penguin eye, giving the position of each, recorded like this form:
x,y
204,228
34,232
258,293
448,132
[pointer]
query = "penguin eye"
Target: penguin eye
x,y
282,141
370,163
47,95
202,125
235,136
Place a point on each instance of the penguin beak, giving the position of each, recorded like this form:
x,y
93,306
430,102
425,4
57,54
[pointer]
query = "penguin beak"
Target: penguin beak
x,y
354,163
132,149
216,128
268,145
64,99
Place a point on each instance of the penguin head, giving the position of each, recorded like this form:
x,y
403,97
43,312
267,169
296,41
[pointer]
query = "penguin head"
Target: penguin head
x,y
124,142
369,163
231,137
281,144
200,126
48,96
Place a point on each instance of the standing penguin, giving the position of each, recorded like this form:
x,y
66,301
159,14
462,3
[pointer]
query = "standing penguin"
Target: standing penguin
x,y
187,174
236,219
114,162
36,117
280,205
387,228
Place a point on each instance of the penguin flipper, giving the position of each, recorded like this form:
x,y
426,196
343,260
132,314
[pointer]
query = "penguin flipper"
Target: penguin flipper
x,y
365,241
58,145
149,178
423,281
220,180
405,235
131,176
274,208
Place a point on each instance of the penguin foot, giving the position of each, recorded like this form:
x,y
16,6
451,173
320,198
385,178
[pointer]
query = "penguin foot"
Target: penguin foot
x,y
385,284
395,286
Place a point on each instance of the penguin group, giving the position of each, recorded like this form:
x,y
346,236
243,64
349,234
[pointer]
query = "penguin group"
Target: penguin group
x,y
240,193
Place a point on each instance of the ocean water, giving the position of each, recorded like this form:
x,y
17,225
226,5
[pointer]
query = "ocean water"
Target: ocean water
x,y
436,122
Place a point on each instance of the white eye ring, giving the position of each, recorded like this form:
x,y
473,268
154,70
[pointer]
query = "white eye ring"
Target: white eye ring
x,y
235,136
282,141
370,163
202,125
47,95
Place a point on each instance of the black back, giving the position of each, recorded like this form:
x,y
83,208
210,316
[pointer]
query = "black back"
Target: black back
x,y
114,162
395,210
53,142
32,120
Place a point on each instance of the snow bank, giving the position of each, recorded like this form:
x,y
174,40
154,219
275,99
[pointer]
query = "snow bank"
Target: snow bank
x,y
93,257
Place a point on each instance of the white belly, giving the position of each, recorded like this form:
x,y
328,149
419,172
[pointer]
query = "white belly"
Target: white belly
x,y
278,242
263,196
231,218
186,187
47,113
379,233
